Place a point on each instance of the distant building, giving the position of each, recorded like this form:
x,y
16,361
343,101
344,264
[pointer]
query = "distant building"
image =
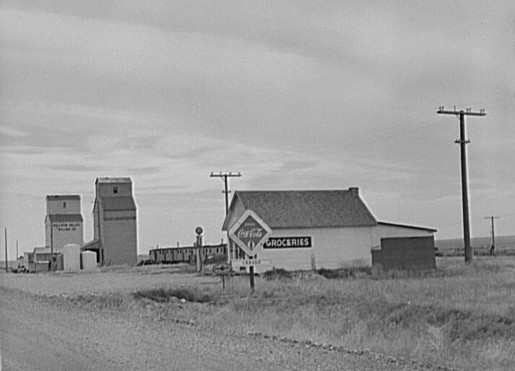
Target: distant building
x,y
115,222
185,254
314,229
63,221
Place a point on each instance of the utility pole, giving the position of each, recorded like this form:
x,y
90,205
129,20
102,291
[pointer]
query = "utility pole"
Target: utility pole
x,y
492,248
6,261
51,245
464,178
225,177
100,244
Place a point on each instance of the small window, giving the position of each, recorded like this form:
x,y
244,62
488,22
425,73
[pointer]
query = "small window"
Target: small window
x,y
64,205
115,190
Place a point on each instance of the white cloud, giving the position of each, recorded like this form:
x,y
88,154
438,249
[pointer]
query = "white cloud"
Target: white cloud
x,y
293,94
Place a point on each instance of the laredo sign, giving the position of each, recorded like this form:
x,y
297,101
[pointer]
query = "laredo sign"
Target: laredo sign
x,y
249,232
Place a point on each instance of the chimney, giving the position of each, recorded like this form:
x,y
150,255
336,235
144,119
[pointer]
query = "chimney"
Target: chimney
x,y
354,190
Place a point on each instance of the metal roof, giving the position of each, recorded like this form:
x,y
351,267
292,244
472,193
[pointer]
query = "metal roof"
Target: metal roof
x,y
118,203
65,218
63,197
305,209
114,180
407,226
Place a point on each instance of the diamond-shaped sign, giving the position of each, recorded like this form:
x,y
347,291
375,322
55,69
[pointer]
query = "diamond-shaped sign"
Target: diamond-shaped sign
x,y
249,232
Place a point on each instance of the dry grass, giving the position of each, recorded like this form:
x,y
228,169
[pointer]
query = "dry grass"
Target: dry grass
x,y
461,316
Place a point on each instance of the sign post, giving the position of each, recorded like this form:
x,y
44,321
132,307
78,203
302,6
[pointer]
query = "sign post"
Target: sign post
x,y
250,233
222,269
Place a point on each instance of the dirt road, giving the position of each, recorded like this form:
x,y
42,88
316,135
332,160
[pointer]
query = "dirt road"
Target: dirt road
x,y
42,328
42,333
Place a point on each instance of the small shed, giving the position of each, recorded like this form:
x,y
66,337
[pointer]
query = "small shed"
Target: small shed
x,y
71,256
88,260
405,253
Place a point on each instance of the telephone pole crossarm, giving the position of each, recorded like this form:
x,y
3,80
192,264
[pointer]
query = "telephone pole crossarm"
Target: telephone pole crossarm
x,y
467,112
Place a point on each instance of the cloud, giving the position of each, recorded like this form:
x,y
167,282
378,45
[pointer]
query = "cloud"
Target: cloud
x,y
72,168
295,95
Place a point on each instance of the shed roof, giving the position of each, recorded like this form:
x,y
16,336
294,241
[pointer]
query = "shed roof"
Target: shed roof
x,y
408,226
304,209
91,245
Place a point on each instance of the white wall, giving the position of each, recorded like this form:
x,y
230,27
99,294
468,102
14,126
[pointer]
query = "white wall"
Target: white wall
x,y
71,257
88,260
331,247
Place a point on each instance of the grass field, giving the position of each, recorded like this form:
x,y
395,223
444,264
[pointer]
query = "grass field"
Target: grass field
x,y
504,245
461,316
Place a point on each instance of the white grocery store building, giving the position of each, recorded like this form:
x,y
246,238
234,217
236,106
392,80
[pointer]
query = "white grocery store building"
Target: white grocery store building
x,y
314,229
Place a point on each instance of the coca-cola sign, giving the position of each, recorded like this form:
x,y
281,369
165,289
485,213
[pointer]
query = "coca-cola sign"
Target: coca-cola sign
x,y
249,232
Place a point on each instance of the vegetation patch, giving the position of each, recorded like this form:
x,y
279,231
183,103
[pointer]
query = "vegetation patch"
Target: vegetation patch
x,y
458,325
166,295
275,274
351,272
100,302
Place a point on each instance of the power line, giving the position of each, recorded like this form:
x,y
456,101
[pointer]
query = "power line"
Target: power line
x,y
463,141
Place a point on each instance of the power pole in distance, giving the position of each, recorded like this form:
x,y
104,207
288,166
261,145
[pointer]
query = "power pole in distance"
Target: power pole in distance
x,y
492,248
6,261
225,177
51,244
464,180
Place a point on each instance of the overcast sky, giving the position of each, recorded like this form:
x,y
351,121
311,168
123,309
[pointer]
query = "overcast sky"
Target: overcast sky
x,y
294,94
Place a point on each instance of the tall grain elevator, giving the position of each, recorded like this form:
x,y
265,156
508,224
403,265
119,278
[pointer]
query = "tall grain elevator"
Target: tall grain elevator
x,y
63,221
115,222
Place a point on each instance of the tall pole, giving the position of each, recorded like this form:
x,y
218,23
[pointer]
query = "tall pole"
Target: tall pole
x,y
51,245
492,248
464,189
225,177
463,141
100,244
6,261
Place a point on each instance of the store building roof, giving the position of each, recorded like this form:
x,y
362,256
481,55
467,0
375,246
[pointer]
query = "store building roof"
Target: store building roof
x,y
303,209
